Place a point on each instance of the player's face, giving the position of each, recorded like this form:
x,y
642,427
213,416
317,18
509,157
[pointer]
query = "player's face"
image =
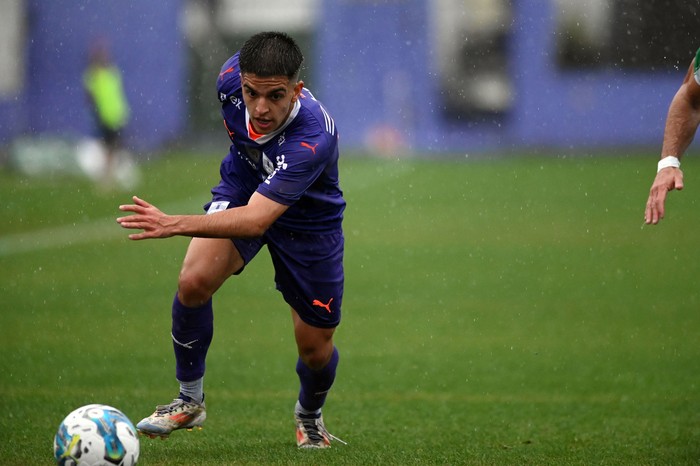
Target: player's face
x,y
269,100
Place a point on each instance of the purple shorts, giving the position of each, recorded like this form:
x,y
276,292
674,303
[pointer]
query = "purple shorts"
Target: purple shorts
x,y
308,267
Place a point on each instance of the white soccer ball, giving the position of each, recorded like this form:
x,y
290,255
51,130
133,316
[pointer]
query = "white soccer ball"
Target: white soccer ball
x,y
96,435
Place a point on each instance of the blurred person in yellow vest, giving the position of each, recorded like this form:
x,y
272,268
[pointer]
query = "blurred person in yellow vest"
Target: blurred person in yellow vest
x,y
103,83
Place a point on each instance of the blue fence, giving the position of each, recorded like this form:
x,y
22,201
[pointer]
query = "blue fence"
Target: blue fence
x,y
372,64
376,77
145,42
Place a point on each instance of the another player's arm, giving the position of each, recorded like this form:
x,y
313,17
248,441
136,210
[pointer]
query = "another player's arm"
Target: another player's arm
x,y
683,116
681,125
249,221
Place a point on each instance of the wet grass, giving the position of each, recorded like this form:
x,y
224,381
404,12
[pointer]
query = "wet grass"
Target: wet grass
x,y
503,311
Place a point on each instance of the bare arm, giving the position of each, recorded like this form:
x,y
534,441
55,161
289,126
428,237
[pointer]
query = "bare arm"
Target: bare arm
x,y
248,221
681,124
683,117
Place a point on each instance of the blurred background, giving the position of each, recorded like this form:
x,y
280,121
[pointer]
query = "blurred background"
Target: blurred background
x,y
410,76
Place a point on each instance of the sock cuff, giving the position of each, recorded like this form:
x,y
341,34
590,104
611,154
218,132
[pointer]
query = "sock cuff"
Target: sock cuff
x,y
193,389
299,409
182,308
202,316
332,364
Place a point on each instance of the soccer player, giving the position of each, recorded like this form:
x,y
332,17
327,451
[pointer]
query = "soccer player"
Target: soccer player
x,y
279,187
681,123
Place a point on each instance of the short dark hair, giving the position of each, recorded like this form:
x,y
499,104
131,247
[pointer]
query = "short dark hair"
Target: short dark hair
x,y
271,54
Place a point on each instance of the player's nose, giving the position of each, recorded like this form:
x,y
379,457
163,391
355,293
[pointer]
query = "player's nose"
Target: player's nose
x,y
262,107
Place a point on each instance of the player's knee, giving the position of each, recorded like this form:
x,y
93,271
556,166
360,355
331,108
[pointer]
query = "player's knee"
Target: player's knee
x,y
315,358
193,290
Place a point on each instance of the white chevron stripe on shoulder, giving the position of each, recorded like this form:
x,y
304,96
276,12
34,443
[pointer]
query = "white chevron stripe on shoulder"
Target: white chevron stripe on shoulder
x,y
330,124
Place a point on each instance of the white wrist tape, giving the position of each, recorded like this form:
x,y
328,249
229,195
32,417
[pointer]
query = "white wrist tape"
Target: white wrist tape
x,y
669,161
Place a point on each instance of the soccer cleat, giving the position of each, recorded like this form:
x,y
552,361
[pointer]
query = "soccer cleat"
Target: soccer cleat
x,y
180,414
312,433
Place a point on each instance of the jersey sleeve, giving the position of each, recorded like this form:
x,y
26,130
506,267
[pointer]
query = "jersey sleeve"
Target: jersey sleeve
x,y
696,67
298,167
228,80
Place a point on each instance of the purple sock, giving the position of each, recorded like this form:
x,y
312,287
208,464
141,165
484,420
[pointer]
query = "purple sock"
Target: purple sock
x,y
316,384
192,332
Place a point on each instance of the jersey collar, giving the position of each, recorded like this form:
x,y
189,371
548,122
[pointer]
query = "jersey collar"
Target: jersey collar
x,y
264,138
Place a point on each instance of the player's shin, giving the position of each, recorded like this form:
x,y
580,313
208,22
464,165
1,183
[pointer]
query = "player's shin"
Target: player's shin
x,y
315,384
192,332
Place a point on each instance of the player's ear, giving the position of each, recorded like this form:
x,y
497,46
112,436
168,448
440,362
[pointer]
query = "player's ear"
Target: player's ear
x,y
297,89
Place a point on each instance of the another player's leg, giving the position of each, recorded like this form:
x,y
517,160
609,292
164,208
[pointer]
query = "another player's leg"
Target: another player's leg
x,y
208,263
316,367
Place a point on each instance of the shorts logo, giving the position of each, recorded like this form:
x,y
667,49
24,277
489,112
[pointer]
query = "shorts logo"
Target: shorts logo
x,y
318,303
217,206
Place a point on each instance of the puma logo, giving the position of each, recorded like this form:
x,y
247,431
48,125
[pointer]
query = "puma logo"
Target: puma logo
x,y
309,146
229,70
318,303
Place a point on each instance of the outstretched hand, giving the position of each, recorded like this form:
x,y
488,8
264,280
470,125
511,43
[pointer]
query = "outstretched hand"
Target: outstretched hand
x,y
147,217
665,181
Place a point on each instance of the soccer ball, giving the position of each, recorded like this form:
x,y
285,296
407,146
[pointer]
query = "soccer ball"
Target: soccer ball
x,y
96,435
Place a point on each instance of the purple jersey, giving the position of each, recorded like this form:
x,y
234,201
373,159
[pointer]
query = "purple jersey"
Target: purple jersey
x,y
296,165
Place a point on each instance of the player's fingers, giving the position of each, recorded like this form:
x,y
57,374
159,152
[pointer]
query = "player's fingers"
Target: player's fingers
x,y
647,211
124,223
129,219
679,183
131,224
146,234
140,201
138,236
131,208
658,206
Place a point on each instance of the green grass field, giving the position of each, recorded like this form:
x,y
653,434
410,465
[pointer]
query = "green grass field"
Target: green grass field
x,y
497,312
